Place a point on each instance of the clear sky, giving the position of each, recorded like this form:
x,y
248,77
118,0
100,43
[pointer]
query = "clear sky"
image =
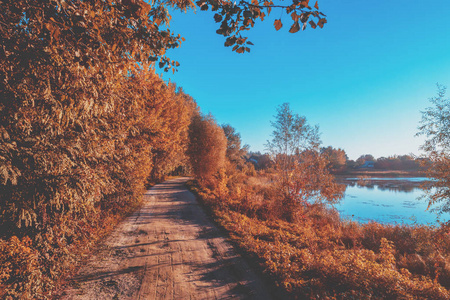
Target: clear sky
x,y
363,78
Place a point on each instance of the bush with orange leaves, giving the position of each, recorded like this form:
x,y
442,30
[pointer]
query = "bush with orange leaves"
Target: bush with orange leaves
x,y
320,256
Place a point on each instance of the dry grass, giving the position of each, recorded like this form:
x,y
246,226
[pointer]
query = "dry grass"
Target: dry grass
x,y
321,256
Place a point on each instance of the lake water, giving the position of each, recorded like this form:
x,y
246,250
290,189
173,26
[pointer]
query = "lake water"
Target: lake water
x,y
386,200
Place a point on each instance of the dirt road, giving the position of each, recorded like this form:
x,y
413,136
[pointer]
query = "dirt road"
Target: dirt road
x,y
167,250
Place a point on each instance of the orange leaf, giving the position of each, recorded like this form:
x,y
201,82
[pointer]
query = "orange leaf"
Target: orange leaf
x,y
294,28
321,22
304,3
316,5
277,24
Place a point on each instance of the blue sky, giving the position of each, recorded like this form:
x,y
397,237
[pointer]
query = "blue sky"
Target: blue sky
x,y
363,78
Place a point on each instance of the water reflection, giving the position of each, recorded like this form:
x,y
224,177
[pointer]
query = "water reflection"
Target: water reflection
x,y
386,200
388,184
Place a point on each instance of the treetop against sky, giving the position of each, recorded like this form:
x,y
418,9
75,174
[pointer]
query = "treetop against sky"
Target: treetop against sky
x,y
364,77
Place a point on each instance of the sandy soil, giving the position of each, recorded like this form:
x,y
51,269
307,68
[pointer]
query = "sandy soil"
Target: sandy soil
x,y
169,249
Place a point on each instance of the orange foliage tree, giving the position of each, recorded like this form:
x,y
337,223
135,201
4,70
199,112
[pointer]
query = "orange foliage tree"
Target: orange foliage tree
x,y
235,151
207,147
302,170
337,157
84,121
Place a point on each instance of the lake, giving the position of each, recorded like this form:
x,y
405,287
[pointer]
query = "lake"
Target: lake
x,y
386,200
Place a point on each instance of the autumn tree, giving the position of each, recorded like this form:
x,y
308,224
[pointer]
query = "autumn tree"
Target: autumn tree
x,y
435,126
207,148
84,121
301,169
336,157
363,158
235,151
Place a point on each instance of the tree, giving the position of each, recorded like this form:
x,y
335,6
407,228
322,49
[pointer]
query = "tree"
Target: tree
x,y
435,126
363,158
337,157
302,173
119,32
235,17
207,147
235,152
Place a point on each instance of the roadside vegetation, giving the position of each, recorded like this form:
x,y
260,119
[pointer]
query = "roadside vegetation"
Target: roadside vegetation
x,y
304,246
85,125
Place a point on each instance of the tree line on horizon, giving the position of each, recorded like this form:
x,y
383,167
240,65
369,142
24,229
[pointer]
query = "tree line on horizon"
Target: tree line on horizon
x,y
340,163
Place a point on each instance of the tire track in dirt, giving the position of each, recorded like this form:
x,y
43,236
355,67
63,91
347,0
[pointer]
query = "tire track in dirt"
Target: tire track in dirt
x,y
167,250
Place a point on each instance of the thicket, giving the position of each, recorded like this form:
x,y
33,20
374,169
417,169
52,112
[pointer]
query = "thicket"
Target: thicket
x,y
314,254
84,124
320,256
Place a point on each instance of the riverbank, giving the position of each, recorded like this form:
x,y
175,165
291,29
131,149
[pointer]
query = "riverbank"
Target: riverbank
x,y
321,255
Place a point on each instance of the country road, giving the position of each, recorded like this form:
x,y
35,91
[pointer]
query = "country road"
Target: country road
x,y
169,249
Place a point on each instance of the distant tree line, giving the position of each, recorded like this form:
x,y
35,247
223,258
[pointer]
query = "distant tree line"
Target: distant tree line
x,y
338,161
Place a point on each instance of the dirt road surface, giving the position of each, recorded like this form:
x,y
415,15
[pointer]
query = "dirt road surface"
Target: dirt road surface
x,y
169,249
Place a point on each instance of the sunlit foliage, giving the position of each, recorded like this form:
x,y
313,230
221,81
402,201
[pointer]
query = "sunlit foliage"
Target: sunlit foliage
x,y
235,151
302,171
320,256
235,17
83,127
336,157
207,147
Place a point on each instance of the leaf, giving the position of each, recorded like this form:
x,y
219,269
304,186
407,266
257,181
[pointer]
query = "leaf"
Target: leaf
x,y
295,27
304,3
304,17
277,24
240,50
313,25
321,22
248,14
217,18
250,43
316,5
230,41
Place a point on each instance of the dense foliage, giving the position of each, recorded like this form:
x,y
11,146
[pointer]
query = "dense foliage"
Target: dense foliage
x,y
320,256
83,127
207,147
